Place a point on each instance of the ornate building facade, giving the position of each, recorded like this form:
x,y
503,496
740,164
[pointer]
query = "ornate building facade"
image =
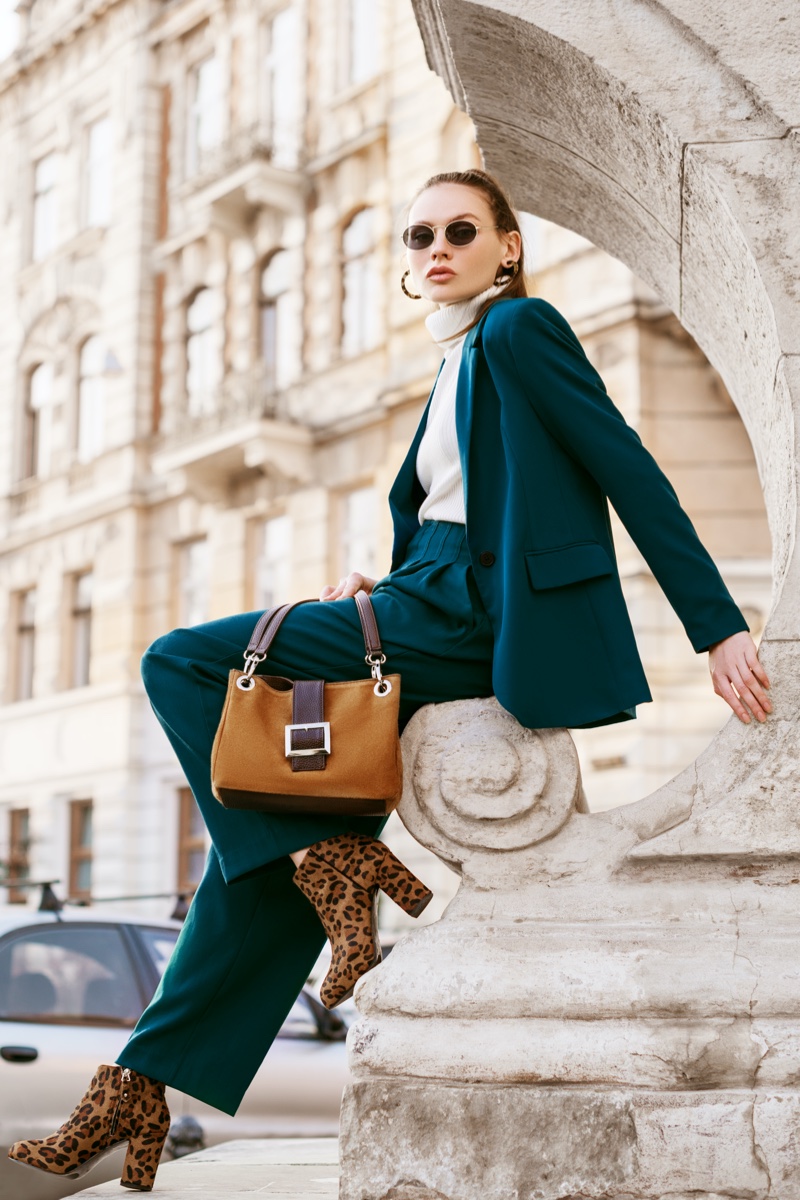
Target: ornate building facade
x,y
211,376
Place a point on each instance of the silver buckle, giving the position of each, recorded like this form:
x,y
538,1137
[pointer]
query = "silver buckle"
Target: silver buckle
x,y
325,748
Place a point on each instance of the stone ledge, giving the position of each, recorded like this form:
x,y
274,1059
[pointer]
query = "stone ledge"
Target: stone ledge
x,y
281,1168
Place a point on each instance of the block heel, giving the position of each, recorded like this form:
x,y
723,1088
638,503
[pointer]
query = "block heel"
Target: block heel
x,y
142,1158
402,886
341,877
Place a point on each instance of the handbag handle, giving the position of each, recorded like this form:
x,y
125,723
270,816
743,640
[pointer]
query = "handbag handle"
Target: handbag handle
x,y
270,621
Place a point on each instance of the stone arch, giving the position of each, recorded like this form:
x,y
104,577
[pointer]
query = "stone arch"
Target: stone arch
x,y
665,135
55,336
56,333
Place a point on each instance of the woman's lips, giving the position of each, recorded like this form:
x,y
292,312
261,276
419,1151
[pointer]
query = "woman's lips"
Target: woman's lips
x,y
440,275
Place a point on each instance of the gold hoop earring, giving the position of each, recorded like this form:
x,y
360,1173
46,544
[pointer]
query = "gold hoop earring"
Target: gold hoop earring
x,y
411,295
507,278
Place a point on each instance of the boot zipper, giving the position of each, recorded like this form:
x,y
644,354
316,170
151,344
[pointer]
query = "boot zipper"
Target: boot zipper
x,y
123,1095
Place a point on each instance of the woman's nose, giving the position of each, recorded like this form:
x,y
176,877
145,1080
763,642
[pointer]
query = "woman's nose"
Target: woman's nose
x,y
440,243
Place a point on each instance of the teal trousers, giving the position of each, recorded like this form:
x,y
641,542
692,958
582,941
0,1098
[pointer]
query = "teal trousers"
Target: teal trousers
x,y
251,936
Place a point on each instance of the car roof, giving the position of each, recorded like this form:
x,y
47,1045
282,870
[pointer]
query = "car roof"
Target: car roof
x,y
20,916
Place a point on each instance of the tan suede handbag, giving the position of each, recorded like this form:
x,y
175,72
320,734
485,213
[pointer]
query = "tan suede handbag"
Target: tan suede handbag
x,y
309,746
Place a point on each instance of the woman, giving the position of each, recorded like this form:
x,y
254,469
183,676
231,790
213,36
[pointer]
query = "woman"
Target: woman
x,y
503,580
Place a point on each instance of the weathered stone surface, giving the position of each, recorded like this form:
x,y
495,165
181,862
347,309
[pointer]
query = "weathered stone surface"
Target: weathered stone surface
x,y
435,1142
606,1001
743,787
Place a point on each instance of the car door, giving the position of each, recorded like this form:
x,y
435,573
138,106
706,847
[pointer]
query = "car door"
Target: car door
x,y
69,995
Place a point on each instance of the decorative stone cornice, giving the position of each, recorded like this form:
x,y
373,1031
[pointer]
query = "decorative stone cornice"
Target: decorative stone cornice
x,y
61,22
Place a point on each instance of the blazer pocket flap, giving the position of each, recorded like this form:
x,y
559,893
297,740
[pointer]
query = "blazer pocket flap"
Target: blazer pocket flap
x,y
567,564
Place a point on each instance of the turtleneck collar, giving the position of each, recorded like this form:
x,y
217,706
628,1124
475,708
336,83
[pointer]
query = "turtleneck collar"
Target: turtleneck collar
x,y
446,324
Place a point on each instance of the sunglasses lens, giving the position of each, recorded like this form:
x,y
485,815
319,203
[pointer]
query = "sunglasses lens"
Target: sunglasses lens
x,y
418,237
461,233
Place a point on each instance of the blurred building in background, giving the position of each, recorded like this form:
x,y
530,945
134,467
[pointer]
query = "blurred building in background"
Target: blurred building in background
x,y
210,377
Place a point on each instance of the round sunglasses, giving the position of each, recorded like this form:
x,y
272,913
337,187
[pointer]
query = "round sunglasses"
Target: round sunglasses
x,y
458,233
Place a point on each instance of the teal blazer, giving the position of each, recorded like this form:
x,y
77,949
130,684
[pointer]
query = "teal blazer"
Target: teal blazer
x,y
543,449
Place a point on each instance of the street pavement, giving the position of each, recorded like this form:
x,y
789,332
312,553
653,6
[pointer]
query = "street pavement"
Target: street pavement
x,y
276,1168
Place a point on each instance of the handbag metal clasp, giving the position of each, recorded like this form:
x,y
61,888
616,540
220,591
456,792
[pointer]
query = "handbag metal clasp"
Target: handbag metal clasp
x,y
325,748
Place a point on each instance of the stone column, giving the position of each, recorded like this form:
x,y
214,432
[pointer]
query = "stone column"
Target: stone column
x,y
610,1006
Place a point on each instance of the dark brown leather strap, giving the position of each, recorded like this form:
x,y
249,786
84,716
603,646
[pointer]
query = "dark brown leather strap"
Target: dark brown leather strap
x,y
369,626
270,621
307,708
267,627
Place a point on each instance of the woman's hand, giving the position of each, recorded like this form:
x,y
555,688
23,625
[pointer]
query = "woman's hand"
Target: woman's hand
x,y
734,663
348,586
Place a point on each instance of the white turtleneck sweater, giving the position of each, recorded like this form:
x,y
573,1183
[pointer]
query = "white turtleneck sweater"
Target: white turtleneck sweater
x,y
438,461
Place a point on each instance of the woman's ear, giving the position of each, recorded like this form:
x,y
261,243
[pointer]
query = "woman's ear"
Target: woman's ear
x,y
513,244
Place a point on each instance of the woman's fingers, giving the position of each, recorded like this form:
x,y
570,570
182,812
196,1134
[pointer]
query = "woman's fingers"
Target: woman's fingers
x,y
757,667
348,586
753,697
737,694
724,688
739,676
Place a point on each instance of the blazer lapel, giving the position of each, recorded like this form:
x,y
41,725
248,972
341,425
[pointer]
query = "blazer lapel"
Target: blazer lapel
x,y
465,400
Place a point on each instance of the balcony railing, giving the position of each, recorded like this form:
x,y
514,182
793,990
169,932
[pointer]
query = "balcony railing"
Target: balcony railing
x,y
243,146
241,398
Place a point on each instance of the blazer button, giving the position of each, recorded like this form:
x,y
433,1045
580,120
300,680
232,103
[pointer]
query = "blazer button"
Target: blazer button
x,y
486,558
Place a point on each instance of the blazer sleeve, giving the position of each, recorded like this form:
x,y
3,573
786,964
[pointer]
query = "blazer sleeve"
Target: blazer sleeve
x,y
572,403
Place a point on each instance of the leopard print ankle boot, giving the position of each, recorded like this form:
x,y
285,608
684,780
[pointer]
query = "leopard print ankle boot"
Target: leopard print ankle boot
x,y
119,1106
341,876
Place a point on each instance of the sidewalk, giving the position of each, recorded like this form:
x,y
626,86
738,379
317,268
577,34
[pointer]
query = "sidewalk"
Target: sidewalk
x,y
279,1168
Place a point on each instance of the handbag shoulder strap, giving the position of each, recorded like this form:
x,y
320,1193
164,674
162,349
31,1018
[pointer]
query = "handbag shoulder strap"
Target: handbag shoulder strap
x,y
369,623
269,622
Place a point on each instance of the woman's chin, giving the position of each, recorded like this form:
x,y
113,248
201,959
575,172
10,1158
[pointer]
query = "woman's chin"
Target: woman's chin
x,y
445,292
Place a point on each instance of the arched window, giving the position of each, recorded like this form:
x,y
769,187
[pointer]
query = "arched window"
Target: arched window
x,y
361,298
38,440
203,358
276,320
91,400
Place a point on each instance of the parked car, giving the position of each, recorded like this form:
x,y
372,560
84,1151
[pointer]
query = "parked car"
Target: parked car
x,y
72,985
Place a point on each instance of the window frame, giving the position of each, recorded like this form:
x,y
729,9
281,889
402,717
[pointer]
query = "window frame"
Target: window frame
x,y
90,166
346,79
74,615
79,854
278,304
21,631
362,340
37,419
195,150
18,867
212,352
342,540
39,252
180,549
256,556
188,842
90,402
